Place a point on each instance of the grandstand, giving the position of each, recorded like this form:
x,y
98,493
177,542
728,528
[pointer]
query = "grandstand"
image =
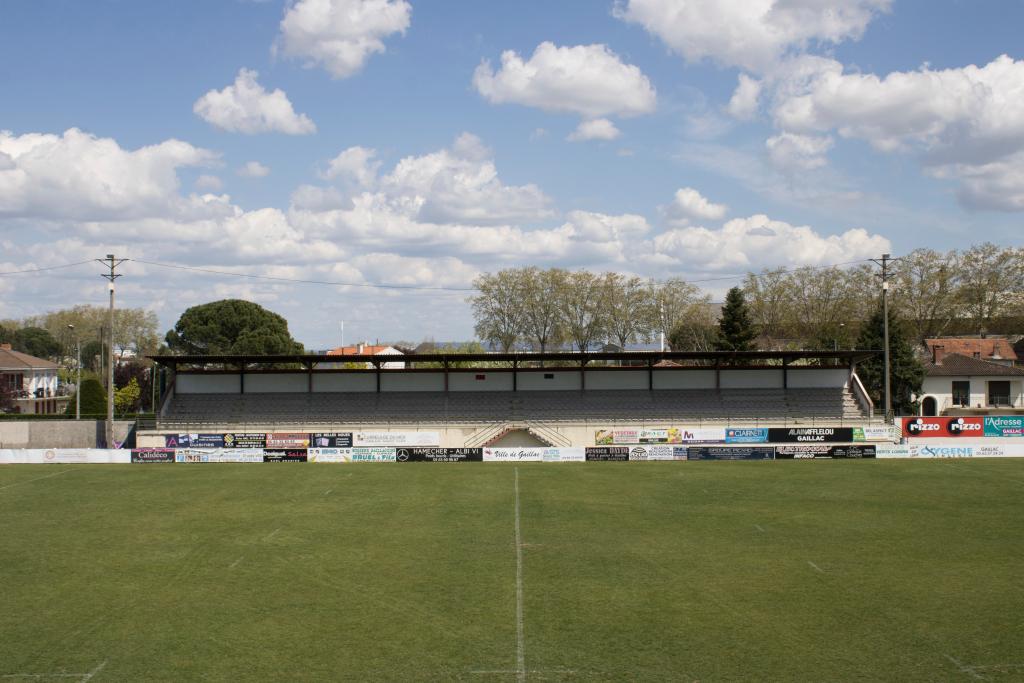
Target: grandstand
x,y
559,399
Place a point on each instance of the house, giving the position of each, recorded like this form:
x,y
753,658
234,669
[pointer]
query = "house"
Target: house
x,y
993,349
364,349
32,381
956,384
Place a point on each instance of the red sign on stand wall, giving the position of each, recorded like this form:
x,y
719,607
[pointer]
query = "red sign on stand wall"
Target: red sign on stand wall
x,y
944,427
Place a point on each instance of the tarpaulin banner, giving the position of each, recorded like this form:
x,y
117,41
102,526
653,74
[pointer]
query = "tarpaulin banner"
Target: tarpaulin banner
x,y
64,456
730,453
606,453
657,453
362,454
565,454
514,454
193,440
953,449
245,440
287,440
152,455
823,451
944,427
285,455
439,454
876,433
331,455
809,434
211,455
331,440
746,434
1004,426
396,439
667,435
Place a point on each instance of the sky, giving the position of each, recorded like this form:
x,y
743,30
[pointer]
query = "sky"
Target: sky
x,y
396,149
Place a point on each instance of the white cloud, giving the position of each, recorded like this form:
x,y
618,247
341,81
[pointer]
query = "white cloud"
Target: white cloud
x,y
758,242
689,204
253,169
589,80
209,183
356,166
791,152
79,176
595,129
340,35
745,99
750,34
247,107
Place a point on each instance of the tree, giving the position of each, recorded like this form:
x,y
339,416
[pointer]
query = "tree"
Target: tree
x,y
126,399
93,354
627,308
135,329
541,317
35,341
583,307
991,282
231,326
925,291
770,297
140,373
94,399
669,304
736,331
905,371
498,308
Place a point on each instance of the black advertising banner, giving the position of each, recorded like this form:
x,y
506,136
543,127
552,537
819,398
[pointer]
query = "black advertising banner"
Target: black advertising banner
x,y
809,434
194,440
730,453
152,455
331,440
245,440
607,453
816,451
439,454
285,455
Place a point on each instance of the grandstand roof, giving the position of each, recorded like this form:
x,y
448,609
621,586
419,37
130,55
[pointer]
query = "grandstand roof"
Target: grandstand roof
x,y
466,360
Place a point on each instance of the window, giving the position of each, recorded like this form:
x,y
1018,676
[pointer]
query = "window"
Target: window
x,y
999,393
961,393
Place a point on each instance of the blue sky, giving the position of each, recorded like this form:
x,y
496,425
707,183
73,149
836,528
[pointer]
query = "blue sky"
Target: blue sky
x,y
472,136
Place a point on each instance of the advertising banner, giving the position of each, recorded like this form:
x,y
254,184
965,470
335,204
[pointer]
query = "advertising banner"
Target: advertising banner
x,y
335,455
746,435
329,455
193,440
331,440
809,434
375,454
396,439
876,433
515,454
657,452
607,453
246,440
823,451
730,453
285,455
953,449
944,427
439,454
64,456
287,440
208,455
669,435
1004,426
152,455
565,454
608,437
704,435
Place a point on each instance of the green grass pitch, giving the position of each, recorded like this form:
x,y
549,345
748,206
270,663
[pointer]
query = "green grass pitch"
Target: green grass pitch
x,y
800,571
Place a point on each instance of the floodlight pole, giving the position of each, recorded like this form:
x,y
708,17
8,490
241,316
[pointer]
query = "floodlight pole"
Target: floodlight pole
x,y
111,263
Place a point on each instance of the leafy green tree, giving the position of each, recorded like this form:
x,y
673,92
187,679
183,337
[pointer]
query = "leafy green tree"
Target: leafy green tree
x,y
905,371
35,341
126,399
498,307
231,326
736,331
94,399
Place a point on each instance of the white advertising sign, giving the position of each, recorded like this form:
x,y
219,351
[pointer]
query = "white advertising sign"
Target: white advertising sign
x,y
218,455
329,455
517,454
932,448
64,456
652,452
565,455
396,439
362,454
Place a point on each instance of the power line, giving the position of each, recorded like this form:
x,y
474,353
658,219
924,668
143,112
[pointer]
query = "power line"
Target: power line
x,y
39,270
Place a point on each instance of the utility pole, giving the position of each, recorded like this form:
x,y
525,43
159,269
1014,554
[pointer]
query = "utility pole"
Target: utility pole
x,y
111,263
78,382
884,263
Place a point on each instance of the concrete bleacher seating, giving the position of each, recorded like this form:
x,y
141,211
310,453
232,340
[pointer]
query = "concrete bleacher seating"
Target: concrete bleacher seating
x,y
694,407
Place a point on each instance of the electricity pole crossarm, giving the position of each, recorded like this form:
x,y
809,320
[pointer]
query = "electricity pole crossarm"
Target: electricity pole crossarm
x,y
111,263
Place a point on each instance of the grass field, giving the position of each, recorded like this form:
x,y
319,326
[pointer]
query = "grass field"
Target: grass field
x,y
822,570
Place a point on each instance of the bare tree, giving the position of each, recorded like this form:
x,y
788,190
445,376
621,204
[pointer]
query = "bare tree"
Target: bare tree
x,y
542,318
991,282
670,304
498,307
770,298
582,306
924,291
627,307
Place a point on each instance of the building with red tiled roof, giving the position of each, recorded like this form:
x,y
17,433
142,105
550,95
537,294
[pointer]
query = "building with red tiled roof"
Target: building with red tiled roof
x,y
364,349
993,349
958,382
32,382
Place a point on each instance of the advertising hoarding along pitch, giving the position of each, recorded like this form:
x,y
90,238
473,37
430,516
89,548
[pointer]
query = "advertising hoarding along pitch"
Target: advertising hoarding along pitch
x,y
245,440
606,453
285,455
331,440
746,435
657,453
439,454
667,435
822,451
287,440
396,439
1005,426
944,427
152,455
193,440
730,453
810,434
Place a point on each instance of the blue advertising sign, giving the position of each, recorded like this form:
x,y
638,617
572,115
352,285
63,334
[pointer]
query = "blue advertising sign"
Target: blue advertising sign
x,y
1004,426
746,435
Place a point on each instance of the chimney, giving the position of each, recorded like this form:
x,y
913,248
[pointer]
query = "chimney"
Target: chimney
x,y
936,354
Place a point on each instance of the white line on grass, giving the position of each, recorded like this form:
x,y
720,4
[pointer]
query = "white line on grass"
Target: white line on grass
x,y
95,671
271,535
969,670
816,567
520,639
235,563
758,527
328,491
27,481
82,677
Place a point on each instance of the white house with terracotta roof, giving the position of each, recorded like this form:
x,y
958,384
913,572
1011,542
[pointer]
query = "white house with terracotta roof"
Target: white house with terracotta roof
x,y
32,380
364,349
959,383
993,349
